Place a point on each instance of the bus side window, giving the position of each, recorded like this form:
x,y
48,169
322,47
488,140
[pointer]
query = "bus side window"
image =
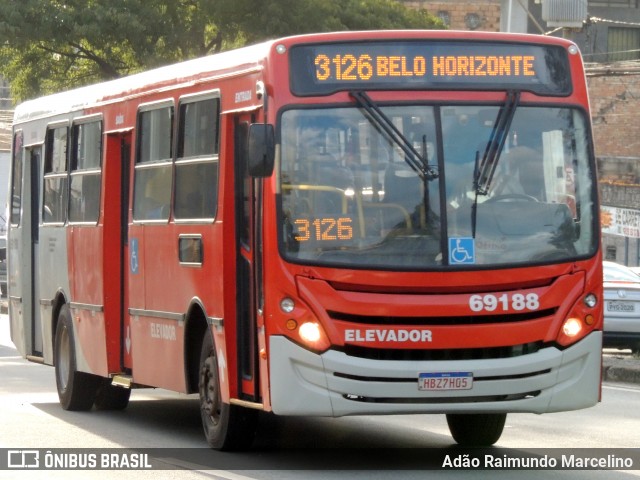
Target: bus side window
x,y
54,209
84,204
152,193
16,179
196,181
152,184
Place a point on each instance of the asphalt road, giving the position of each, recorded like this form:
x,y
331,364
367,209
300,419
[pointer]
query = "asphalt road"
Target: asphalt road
x,y
363,448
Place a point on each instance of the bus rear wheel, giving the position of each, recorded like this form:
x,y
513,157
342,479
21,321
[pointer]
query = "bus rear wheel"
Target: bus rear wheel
x,y
226,427
476,429
76,390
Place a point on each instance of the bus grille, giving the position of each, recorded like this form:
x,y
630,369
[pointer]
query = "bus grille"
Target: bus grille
x,y
442,354
457,320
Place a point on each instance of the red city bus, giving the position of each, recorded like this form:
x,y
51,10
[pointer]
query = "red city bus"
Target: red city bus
x,y
350,223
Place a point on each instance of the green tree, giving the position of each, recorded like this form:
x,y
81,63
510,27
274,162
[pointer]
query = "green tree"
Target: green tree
x,y
52,45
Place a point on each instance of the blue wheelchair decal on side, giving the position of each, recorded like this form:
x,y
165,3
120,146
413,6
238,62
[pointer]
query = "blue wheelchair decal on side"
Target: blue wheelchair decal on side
x,y
133,256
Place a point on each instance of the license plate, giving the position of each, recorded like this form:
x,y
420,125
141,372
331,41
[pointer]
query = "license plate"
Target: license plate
x,y
436,381
621,307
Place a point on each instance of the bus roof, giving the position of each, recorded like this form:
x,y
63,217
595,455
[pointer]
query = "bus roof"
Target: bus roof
x,y
190,71
249,58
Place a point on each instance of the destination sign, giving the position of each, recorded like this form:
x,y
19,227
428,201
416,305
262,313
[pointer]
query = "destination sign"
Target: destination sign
x,y
323,69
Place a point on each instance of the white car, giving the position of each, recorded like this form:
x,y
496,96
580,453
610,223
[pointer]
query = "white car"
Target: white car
x,y
621,307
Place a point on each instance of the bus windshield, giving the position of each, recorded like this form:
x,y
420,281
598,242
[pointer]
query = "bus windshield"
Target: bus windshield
x,y
348,195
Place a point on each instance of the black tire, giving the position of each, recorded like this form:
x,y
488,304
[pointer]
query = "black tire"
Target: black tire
x,y
76,390
476,429
226,427
110,397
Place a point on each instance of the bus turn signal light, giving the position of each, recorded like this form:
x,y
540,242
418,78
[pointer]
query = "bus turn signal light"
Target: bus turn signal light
x,y
291,324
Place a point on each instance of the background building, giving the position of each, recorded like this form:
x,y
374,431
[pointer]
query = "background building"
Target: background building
x,y
608,34
463,14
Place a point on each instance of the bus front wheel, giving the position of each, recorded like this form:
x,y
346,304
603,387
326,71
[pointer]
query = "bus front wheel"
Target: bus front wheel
x,y
226,427
76,390
476,429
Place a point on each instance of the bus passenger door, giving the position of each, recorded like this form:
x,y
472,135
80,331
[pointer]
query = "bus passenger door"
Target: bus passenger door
x,y
35,156
116,218
26,323
248,267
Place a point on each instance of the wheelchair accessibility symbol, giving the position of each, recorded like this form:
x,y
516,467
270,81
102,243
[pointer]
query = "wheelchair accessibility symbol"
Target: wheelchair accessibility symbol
x,y
462,251
133,259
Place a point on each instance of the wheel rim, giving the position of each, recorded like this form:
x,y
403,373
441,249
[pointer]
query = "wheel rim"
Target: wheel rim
x,y
64,359
210,401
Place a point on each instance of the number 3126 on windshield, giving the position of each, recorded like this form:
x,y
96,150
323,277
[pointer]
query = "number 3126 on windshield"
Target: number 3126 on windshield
x,y
323,229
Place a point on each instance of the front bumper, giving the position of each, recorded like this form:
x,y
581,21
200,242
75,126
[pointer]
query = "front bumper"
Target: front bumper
x,y
334,384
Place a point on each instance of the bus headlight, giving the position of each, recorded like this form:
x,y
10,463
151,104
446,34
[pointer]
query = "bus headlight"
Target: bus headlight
x,y
287,305
590,300
572,327
301,325
310,332
313,336
580,322
572,330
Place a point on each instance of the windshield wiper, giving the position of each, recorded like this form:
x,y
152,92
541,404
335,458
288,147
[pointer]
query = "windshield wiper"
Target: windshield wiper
x,y
487,167
484,170
416,160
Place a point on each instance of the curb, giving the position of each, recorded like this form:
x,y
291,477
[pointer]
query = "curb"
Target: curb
x,y
623,369
619,374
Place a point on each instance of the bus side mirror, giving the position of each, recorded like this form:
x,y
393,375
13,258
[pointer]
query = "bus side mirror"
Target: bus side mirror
x,y
261,149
